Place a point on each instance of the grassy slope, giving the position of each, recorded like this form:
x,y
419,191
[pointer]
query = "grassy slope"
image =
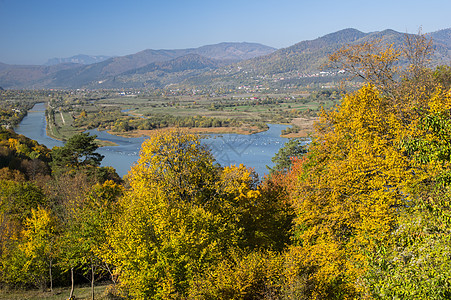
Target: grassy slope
x,y
58,294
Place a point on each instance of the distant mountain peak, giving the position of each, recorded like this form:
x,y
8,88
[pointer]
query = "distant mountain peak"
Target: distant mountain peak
x,y
345,31
348,34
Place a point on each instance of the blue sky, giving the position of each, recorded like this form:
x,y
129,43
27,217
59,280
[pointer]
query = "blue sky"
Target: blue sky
x,y
32,31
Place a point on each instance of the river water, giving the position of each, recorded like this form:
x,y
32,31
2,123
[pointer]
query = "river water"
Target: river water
x,y
254,150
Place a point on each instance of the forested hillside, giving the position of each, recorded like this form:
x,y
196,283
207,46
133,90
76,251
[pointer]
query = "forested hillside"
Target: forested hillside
x,y
301,64
362,212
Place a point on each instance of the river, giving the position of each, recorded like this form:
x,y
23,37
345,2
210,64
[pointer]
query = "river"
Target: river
x,y
254,150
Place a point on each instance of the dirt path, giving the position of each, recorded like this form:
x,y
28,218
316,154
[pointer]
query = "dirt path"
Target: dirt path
x,y
62,117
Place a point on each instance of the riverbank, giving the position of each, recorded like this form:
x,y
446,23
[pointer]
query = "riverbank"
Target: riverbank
x,y
101,143
305,125
65,131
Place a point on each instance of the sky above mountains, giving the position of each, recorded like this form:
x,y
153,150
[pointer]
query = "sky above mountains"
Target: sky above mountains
x,y
32,31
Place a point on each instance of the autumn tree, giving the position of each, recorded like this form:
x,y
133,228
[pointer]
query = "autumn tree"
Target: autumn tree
x,y
343,206
415,263
244,275
258,211
21,154
40,247
394,71
372,62
372,159
442,75
165,232
18,200
184,213
417,50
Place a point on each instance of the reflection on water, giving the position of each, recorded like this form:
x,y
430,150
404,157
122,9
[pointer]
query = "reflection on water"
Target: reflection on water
x,y
122,156
254,150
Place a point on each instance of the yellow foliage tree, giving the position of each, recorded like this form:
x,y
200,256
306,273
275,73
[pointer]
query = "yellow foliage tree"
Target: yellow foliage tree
x,y
40,247
166,232
356,178
182,215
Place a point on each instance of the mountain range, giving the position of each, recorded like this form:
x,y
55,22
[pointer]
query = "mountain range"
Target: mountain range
x,y
224,64
301,63
77,59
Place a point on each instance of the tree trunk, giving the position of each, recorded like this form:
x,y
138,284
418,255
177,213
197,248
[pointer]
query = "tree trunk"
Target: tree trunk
x,y
50,276
92,281
71,296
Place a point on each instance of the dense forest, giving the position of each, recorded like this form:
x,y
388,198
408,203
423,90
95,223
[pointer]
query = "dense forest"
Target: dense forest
x,y
362,212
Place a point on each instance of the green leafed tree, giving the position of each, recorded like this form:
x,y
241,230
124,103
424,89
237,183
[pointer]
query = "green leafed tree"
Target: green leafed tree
x,y
294,148
84,239
79,152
